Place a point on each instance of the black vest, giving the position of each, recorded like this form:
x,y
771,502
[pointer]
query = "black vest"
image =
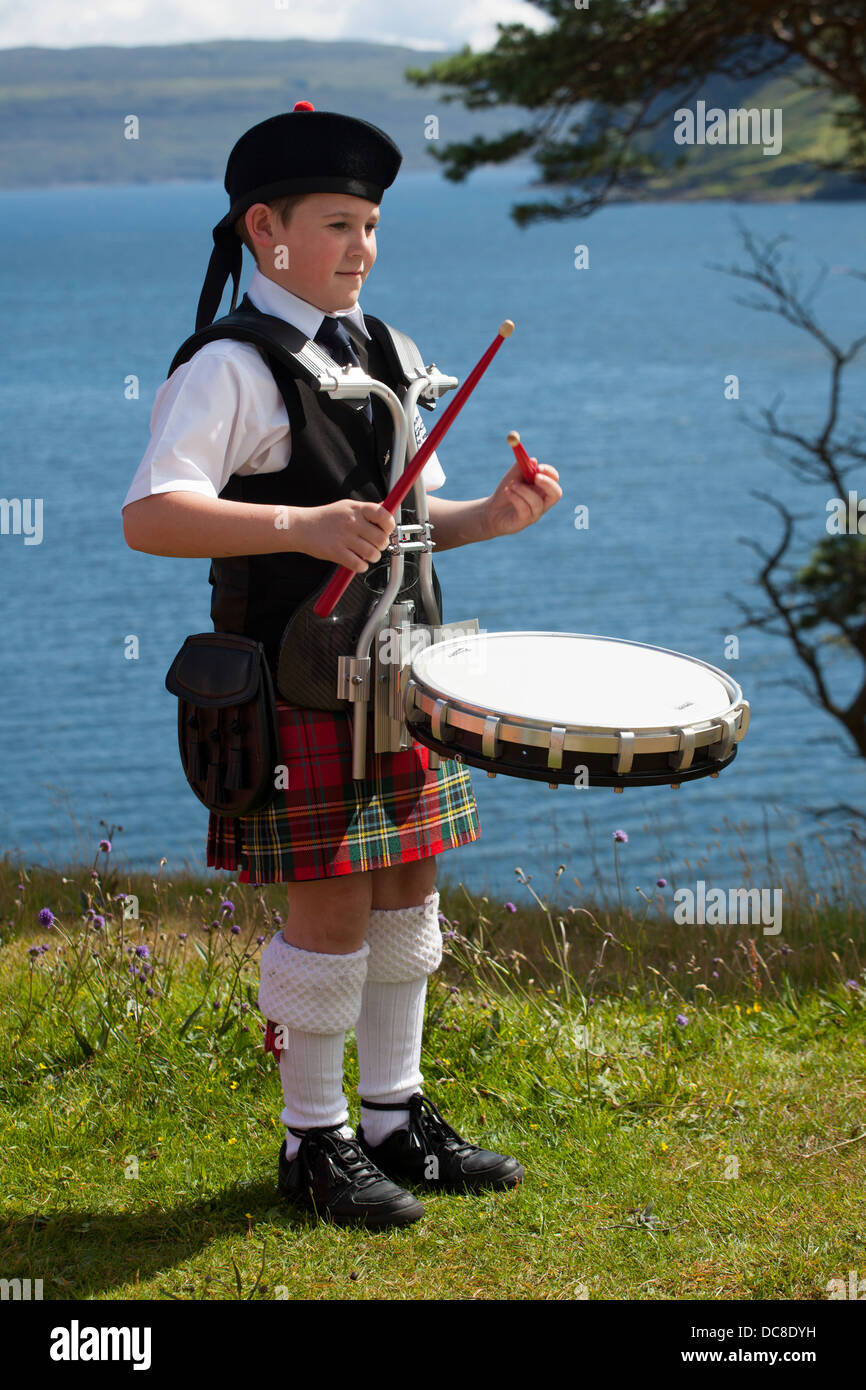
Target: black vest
x,y
335,452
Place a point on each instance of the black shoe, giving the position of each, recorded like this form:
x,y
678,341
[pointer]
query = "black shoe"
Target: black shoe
x,y
431,1151
333,1176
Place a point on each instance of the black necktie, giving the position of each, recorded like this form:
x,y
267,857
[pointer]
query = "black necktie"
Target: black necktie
x,y
338,345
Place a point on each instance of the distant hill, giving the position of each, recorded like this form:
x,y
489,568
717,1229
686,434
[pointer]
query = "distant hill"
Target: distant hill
x,y
62,114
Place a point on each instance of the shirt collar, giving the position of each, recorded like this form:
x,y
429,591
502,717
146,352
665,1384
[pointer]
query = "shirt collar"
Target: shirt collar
x,y
271,298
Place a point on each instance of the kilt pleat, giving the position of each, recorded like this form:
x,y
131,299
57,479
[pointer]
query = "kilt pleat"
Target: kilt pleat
x,y
324,823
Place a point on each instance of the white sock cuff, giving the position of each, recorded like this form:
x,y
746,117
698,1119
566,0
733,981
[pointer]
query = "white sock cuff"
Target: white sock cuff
x,y
405,942
309,990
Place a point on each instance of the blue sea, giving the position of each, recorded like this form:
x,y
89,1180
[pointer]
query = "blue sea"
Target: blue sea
x,y
616,375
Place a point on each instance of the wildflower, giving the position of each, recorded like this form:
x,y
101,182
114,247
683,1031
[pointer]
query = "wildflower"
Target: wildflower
x,y
278,919
661,883
94,873
785,950
511,907
142,951
181,936
33,951
235,931
442,917
46,917
227,906
682,1020
98,922
851,984
105,845
151,993
715,974
449,935
260,941
620,837
717,960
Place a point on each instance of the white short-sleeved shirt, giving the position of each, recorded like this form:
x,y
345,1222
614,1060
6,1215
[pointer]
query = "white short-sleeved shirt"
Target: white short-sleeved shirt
x,y
222,412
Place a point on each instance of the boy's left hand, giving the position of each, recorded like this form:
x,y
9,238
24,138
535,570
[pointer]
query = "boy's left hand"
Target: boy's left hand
x,y
516,503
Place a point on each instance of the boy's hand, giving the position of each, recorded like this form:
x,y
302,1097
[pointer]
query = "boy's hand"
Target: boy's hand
x,y
350,533
516,503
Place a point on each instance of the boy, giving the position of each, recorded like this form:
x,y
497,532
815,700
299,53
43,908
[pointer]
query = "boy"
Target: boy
x,y
234,449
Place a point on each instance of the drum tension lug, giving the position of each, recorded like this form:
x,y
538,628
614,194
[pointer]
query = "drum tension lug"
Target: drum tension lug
x,y
491,774
619,789
675,786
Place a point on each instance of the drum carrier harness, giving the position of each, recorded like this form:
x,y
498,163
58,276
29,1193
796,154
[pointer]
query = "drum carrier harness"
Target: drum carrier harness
x,y
317,663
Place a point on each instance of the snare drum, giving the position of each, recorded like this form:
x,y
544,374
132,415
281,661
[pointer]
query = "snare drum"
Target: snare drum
x,y
567,707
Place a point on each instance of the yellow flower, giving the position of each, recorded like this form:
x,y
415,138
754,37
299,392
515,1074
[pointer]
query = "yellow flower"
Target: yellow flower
x,y
664,1146
234,1086
232,1141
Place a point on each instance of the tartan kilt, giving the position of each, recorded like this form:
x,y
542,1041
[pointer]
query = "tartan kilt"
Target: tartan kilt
x,y
324,823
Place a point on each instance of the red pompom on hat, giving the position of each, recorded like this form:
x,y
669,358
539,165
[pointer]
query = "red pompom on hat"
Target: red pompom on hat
x,y
303,106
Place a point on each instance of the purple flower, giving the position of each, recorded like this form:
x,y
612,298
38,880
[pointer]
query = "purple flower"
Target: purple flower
x,y
21,888
785,950
33,951
105,845
260,941
661,883
442,917
236,931
227,906
851,984
449,935
151,993
620,837
715,974
511,907
46,917
181,936
682,1020
98,922
142,951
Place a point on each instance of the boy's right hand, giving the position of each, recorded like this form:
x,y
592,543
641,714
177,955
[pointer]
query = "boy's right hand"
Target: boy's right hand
x,y
347,532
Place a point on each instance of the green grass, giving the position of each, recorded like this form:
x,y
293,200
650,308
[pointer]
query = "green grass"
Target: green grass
x,y
141,1136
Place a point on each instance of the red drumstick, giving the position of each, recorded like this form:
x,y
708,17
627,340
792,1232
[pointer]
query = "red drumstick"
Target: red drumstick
x,y
343,576
528,468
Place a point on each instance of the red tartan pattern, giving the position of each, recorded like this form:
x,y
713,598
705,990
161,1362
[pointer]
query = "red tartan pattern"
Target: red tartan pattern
x,y
324,824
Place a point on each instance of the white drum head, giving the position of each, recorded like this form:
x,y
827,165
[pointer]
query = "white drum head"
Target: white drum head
x,y
571,679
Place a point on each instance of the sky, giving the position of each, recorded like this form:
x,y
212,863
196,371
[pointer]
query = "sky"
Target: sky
x,y
445,24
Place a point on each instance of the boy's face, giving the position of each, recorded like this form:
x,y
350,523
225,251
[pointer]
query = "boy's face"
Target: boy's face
x,y
331,243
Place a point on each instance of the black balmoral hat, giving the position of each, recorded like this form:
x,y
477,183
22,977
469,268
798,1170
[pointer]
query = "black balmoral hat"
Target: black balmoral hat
x,y
300,151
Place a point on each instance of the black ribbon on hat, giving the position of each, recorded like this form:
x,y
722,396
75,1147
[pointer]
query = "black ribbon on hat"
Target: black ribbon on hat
x,y
226,260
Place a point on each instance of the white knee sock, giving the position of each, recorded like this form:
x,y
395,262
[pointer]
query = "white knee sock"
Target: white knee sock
x,y
314,998
405,947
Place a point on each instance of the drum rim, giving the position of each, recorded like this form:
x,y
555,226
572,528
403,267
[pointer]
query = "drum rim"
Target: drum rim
x,y
420,689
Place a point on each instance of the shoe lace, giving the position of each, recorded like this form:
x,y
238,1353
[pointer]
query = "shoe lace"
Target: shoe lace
x,y
354,1163
429,1128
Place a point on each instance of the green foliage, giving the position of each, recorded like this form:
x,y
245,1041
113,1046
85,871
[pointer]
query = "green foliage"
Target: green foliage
x,y
835,582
